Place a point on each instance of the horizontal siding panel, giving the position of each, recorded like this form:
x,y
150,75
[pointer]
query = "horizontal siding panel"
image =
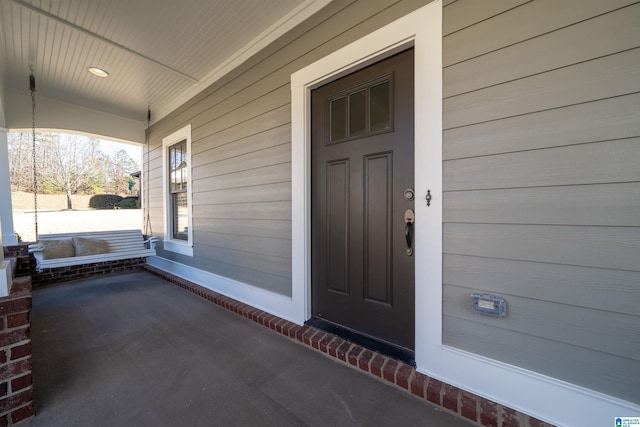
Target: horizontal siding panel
x,y
564,205
257,262
258,228
259,141
264,175
236,136
280,248
598,289
155,155
616,333
269,282
258,193
256,159
607,119
249,102
228,118
606,373
616,32
219,104
154,172
600,78
265,118
602,162
156,205
156,182
522,23
245,211
268,120
156,161
602,247
456,16
156,228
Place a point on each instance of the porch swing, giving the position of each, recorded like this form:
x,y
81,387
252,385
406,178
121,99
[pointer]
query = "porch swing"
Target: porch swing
x,y
81,248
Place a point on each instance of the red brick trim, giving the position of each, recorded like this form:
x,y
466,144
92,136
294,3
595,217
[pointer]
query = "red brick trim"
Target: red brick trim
x,y
74,272
403,376
16,384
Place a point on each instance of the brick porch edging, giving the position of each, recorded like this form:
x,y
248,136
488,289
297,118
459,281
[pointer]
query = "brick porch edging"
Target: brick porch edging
x,y
16,384
468,405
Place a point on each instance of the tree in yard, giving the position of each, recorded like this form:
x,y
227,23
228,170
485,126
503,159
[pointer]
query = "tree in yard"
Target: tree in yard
x,y
117,170
20,152
72,163
69,164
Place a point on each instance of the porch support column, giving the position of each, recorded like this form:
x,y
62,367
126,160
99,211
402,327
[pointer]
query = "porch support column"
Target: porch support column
x,y
6,210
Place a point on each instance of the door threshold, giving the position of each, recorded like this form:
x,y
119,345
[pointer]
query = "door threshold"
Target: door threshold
x,y
391,350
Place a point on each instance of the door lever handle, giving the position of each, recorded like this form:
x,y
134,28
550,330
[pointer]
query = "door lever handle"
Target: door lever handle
x,y
409,219
408,235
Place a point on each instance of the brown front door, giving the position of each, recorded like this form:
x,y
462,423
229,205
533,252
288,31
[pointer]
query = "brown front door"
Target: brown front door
x,y
362,168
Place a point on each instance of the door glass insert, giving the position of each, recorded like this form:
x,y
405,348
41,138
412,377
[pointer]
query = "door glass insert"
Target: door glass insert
x,y
358,113
380,108
338,118
361,111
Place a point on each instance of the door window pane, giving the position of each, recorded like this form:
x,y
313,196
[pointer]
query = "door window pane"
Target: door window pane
x,y
358,113
338,119
379,107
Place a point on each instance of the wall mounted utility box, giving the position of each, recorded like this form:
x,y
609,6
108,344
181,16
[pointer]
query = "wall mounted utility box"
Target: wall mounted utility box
x,y
490,305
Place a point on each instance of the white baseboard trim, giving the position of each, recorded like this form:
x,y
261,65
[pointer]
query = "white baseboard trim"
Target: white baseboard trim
x,y
270,302
548,399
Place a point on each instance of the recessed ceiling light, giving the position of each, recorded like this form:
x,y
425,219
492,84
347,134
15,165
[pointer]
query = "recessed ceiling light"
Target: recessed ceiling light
x,y
98,72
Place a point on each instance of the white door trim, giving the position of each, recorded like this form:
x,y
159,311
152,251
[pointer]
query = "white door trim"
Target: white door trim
x,y
422,30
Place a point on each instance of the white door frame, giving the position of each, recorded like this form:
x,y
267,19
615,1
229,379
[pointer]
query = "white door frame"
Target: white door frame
x,y
422,30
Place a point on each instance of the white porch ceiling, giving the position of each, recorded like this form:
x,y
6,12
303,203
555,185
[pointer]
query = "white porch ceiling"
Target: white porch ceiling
x,y
159,53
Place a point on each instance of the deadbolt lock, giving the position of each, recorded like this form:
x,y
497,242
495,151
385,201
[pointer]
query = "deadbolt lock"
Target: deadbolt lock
x,y
409,194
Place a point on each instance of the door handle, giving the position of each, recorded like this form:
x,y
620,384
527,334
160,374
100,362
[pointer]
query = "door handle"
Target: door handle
x,y
409,219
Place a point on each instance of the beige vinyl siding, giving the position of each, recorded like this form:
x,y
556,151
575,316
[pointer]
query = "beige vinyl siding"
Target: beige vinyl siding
x,y
241,149
542,186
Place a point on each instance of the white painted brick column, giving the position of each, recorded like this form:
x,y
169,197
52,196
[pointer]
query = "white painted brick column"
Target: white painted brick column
x,y
5,272
6,211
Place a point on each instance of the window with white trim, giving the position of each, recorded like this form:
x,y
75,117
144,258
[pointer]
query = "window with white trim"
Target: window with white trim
x,y
176,159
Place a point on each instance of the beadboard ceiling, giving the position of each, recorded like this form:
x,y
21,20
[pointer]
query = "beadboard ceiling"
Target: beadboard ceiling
x,y
159,53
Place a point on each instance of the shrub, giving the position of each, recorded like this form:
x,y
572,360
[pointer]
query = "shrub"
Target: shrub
x,y
104,201
128,203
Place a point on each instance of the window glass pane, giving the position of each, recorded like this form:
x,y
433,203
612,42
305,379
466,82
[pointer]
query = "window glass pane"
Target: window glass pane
x,y
180,215
178,166
338,119
172,168
380,111
183,167
358,113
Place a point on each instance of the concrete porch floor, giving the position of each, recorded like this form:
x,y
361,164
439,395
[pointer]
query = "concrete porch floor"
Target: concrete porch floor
x,y
135,350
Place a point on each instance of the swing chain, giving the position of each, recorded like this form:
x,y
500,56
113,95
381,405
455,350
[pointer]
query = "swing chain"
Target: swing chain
x,y
32,87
